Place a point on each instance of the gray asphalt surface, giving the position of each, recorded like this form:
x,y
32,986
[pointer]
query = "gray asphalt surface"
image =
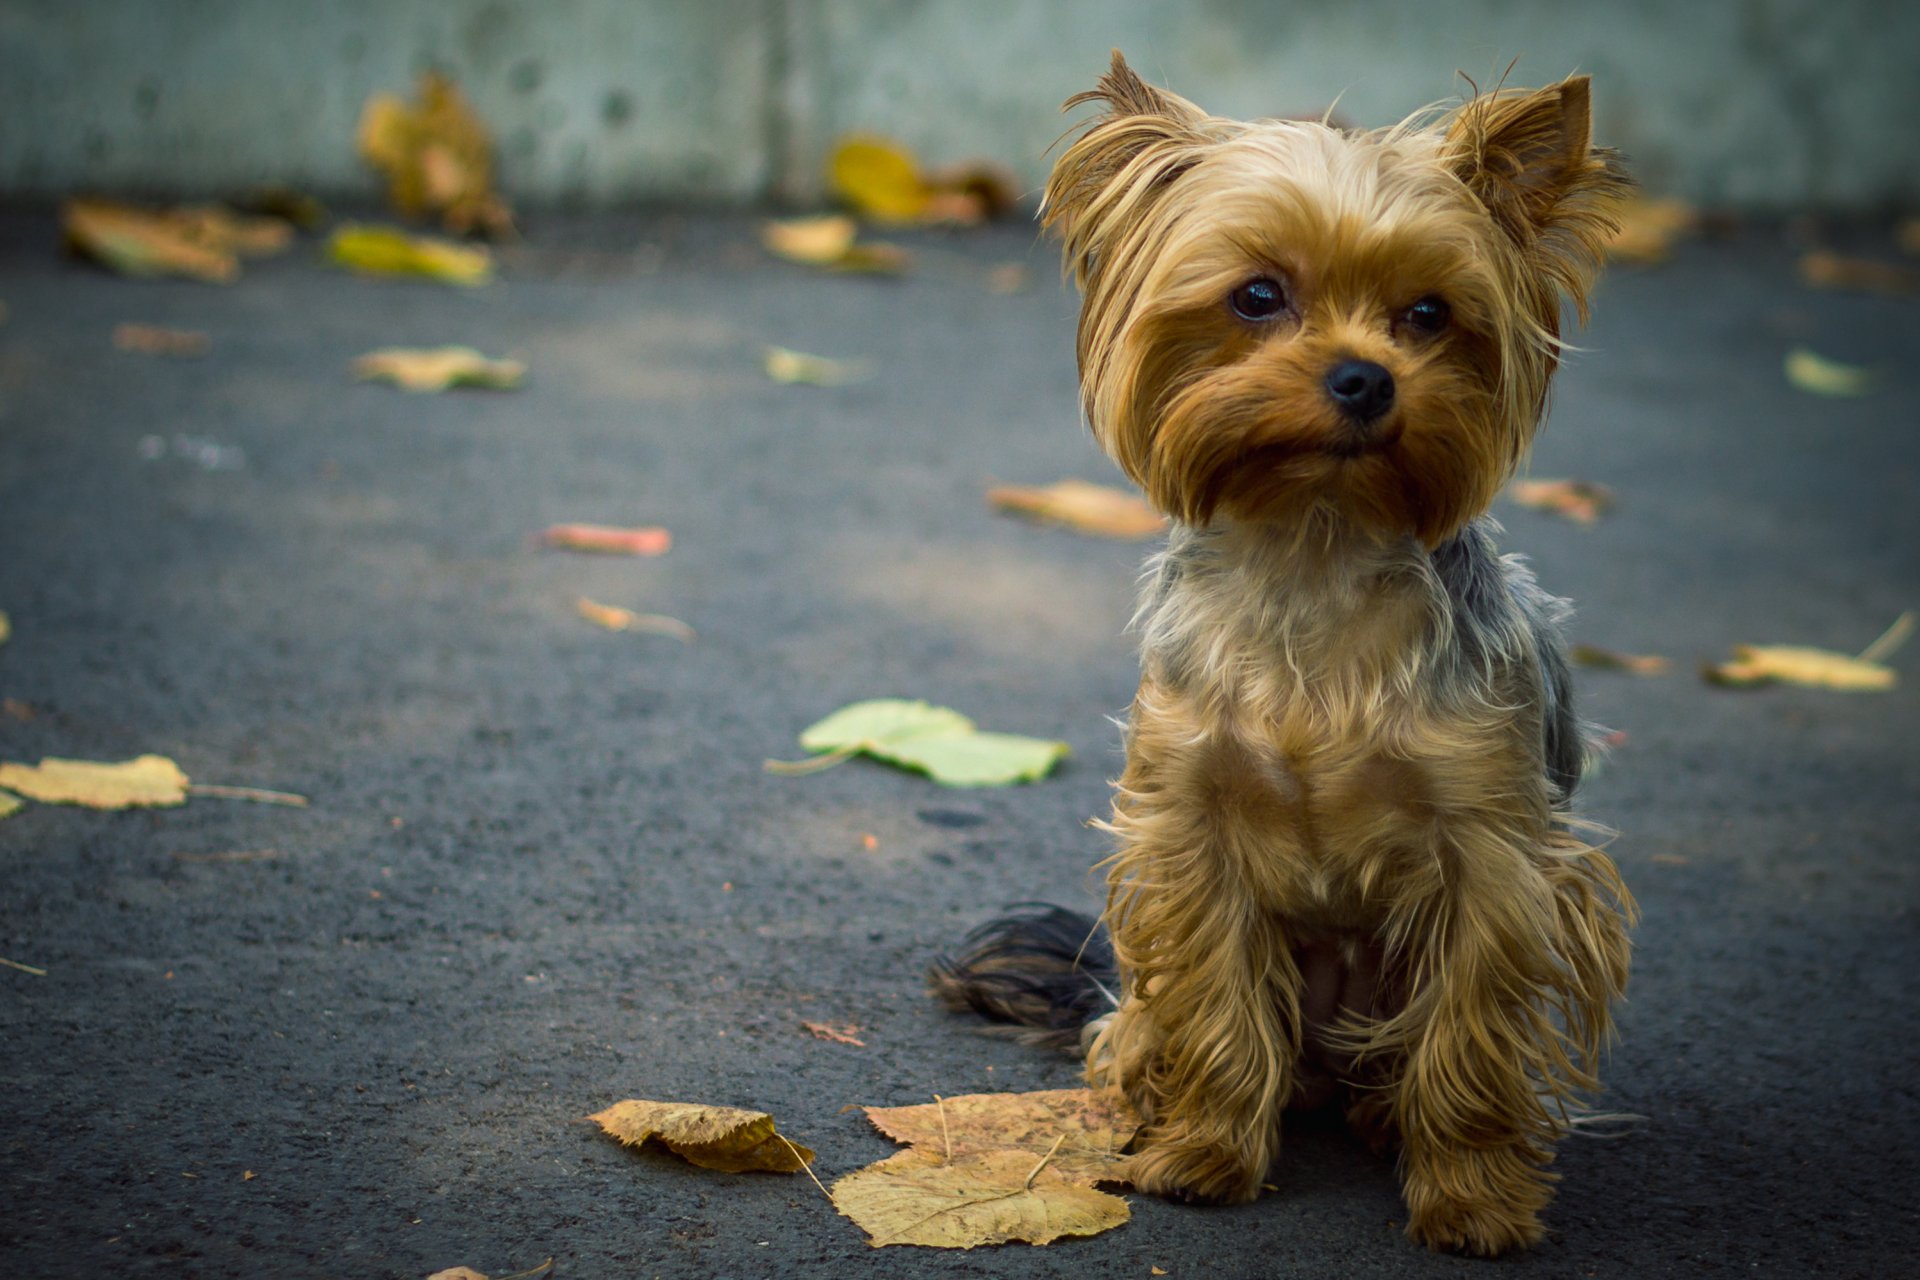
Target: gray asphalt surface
x,y
543,869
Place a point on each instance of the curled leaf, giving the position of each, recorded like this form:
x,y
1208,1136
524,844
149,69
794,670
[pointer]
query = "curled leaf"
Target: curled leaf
x,y
389,251
437,156
145,782
140,242
438,368
1814,373
725,1138
1581,501
783,365
642,540
1090,508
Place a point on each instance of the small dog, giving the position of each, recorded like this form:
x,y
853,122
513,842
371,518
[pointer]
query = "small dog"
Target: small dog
x,y
1346,858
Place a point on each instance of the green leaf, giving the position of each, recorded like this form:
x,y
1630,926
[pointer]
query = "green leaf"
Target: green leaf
x,y
936,741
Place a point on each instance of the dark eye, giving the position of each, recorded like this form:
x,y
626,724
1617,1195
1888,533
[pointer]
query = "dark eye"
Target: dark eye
x,y
1428,316
1260,299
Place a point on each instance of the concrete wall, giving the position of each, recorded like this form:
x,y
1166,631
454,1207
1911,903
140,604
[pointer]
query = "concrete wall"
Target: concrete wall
x,y
1749,103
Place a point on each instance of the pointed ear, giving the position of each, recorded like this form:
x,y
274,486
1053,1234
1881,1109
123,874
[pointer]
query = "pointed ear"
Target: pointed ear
x,y
1530,158
1142,139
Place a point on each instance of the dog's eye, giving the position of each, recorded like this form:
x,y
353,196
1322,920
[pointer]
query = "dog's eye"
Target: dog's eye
x,y
1259,299
1428,316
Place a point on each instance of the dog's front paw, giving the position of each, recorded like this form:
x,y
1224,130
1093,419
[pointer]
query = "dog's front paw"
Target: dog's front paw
x,y
1193,1173
1478,1202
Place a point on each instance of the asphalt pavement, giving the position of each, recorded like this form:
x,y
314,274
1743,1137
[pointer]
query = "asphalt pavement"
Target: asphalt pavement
x,y
543,868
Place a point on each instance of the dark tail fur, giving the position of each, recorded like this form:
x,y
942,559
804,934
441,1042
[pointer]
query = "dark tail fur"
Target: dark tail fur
x,y
1043,969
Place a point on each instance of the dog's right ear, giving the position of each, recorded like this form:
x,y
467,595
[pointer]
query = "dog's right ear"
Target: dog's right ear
x,y
1124,158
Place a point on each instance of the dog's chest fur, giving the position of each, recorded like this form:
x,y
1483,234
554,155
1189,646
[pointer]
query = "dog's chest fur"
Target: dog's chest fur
x,y
1336,705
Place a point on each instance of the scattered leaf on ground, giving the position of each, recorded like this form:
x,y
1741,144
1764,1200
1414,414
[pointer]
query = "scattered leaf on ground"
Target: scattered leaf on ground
x,y
389,251
1649,228
438,368
437,156
1814,373
1816,668
6,628
936,741
157,340
458,1273
1090,508
141,242
641,540
783,365
724,1138
881,179
285,203
615,618
839,1033
1008,277
1581,501
10,804
1908,235
832,242
148,781
1825,269
1640,664
990,1168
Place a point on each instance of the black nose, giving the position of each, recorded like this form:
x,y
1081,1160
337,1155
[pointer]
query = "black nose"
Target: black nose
x,y
1362,389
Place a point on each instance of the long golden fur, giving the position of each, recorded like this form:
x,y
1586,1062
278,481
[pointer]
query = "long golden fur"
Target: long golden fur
x,y
1345,853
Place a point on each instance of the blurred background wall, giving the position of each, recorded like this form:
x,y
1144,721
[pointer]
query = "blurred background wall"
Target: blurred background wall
x,y
1753,104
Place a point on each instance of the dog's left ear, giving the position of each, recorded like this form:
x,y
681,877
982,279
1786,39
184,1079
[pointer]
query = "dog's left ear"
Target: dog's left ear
x,y
1530,159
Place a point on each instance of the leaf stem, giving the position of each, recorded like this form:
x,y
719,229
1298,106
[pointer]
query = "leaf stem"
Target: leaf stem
x,y
945,1133
217,792
1890,639
1043,1162
805,1166
817,764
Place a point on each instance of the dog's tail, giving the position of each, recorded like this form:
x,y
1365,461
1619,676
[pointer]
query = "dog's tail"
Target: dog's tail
x,y
1043,970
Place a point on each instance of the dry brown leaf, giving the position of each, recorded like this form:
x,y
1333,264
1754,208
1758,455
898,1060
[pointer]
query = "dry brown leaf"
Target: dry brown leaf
x,y
611,540
797,367
157,340
1090,1127
437,156
842,1033
1649,228
1825,269
146,782
1639,664
220,227
438,368
916,1197
1090,508
141,242
724,1138
1814,373
615,618
1581,501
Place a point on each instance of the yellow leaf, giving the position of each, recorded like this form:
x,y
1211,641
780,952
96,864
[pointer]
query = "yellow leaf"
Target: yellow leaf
x,y
437,156
1581,501
141,242
1817,668
438,368
724,1138
1090,508
458,1273
149,781
879,178
388,251
783,365
916,1197
1648,229
6,628
1640,664
615,618
1084,1129
10,804
1814,373
814,241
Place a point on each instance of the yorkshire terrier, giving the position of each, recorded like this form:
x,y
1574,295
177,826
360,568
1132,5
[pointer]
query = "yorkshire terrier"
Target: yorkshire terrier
x,y
1347,864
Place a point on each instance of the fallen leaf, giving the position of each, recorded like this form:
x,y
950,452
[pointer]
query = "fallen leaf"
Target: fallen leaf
x,y
458,1273
724,1138
844,1033
936,741
1669,859
10,804
1810,372
879,178
438,368
832,242
1090,508
156,340
6,628
1085,1129
1648,229
917,1198
1815,668
389,251
1640,664
148,781
437,156
615,618
285,203
142,242
1825,269
1008,278
223,228
642,540
1908,235
787,366
1158,1271
1581,501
